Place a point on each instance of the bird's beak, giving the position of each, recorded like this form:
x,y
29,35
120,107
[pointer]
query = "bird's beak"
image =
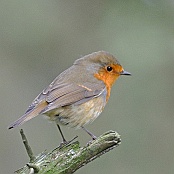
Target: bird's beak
x,y
125,73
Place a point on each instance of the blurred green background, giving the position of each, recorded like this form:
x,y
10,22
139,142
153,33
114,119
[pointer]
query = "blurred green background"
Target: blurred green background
x,y
40,39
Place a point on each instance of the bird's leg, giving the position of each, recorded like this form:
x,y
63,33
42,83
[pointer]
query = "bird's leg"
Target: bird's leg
x,y
63,138
89,133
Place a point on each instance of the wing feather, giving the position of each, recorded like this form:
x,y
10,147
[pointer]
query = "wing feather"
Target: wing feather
x,y
72,94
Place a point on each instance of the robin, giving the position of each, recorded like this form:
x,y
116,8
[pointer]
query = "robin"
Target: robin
x,y
78,95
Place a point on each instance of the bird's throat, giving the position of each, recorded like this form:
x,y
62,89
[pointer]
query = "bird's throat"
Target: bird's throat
x,y
108,80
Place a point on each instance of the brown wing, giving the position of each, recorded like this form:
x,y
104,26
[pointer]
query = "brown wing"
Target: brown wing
x,y
60,95
68,94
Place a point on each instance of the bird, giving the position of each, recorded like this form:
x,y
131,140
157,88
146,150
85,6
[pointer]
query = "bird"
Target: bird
x,y
79,94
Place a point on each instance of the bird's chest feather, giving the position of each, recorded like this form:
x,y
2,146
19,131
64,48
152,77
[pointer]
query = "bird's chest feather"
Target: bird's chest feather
x,y
79,115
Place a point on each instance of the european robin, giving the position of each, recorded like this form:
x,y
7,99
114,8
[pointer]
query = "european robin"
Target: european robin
x,y
78,95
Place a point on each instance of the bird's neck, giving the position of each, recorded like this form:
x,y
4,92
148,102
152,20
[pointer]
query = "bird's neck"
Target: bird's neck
x,y
108,81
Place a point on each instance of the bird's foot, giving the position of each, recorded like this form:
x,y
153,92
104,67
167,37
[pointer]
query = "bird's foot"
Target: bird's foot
x,y
65,142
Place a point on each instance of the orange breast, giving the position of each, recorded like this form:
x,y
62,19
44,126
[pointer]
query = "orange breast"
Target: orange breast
x,y
108,77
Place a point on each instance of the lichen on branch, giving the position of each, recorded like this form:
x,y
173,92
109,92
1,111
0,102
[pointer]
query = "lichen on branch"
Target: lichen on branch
x,y
69,158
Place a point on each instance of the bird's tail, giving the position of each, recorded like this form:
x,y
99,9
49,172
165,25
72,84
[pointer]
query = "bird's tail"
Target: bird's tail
x,y
29,115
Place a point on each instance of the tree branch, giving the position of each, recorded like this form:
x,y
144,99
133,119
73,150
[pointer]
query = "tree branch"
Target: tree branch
x,y
69,158
27,147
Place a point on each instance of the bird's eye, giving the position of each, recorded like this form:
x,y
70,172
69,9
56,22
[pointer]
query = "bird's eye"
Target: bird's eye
x,y
109,68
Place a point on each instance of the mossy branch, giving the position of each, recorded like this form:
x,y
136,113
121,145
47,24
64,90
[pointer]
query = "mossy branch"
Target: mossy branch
x,y
66,159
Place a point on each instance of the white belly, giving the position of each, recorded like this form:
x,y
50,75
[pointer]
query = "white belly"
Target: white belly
x,y
78,115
